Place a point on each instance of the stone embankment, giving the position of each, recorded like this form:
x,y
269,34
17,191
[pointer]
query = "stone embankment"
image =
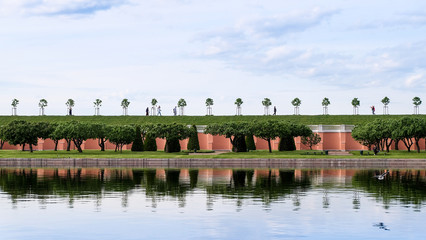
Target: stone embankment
x,y
217,163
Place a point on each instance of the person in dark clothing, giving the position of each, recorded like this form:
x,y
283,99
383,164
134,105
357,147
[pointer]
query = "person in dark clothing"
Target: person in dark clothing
x,y
147,111
275,110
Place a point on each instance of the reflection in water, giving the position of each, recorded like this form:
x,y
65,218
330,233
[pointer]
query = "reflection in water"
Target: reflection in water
x,y
264,185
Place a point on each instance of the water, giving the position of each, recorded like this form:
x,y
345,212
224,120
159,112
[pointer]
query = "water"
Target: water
x,y
211,204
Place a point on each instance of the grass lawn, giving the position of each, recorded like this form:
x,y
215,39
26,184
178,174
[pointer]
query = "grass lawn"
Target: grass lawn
x,y
160,154
204,120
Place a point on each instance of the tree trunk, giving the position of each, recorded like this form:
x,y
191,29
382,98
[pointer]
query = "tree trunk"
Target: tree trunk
x,y
77,143
269,145
68,144
408,143
23,147
388,144
396,144
101,143
1,144
417,144
56,144
31,148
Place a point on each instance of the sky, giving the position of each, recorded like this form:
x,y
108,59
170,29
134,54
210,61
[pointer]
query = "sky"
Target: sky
x,y
248,49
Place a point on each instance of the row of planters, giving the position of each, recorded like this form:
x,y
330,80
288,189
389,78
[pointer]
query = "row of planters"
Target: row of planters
x,y
382,134
143,137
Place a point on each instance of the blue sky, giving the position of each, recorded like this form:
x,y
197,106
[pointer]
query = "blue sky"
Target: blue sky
x,y
171,49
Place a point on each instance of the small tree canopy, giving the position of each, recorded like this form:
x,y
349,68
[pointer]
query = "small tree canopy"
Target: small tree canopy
x,y
235,131
15,102
417,101
154,102
325,102
20,132
125,103
385,101
42,103
171,132
209,102
97,102
311,140
121,135
296,102
70,103
238,102
181,103
355,102
266,102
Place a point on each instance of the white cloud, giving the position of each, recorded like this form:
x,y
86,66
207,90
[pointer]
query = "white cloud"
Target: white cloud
x,y
415,80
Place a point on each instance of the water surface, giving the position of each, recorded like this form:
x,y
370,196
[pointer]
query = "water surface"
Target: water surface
x,y
90,203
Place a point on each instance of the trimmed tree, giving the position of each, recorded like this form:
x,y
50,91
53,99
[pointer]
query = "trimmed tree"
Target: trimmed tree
x,y
251,145
181,104
97,104
121,135
70,104
296,103
193,143
125,105
325,103
99,132
137,141
14,104
269,130
385,102
235,131
417,102
150,143
154,107
172,132
311,140
20,132
355,104
42,104
266,104
209,104
1,137
238,102
289,132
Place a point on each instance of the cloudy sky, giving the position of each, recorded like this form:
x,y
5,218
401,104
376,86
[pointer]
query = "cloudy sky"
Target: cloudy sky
x,y
171,49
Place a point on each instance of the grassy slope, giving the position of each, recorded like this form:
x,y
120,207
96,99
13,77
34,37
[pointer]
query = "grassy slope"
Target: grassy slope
x,y
204,120
161,154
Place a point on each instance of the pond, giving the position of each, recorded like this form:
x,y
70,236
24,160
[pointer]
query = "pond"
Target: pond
x,y
125,203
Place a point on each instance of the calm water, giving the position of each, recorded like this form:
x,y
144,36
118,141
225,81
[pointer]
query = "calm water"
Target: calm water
x,y
211,204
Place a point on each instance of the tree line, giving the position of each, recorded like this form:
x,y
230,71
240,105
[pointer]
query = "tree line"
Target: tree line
x,y
383,133
240,134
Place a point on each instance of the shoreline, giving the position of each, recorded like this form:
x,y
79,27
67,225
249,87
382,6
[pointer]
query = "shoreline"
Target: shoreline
x,y
339,163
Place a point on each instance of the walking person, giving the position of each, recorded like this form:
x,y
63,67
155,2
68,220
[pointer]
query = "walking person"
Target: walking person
x,y
275,110
175,111
147,111
159,111
373,110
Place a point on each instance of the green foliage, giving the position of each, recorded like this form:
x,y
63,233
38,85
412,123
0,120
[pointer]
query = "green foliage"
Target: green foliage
x,y
125,103
137,141
250,143
238,102
325,102
417,101
154,102
266,102
235,131
74,131
21,132
355,102
171,132
193,142
70,103
97,102
15,102
209,102
150,144
99,131
42,103
181,103
410,130
296,102
311,140
287,143
385,101
172,145
121,135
